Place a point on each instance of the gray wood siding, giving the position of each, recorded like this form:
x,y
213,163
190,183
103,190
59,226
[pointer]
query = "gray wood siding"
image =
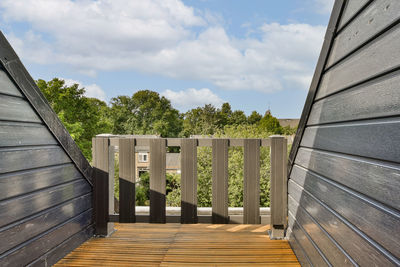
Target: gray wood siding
x,y
344,180
45,201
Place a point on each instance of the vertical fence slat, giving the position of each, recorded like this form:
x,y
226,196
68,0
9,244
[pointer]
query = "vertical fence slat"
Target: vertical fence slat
x,y
278,194
127,180
189,181
220,181
111,177
157,180
251,181
100,148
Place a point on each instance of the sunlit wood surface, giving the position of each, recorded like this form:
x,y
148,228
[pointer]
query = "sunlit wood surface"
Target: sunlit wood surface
x,y
183,245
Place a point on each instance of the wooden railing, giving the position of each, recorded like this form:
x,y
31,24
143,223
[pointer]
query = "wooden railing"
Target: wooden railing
x,y
103,163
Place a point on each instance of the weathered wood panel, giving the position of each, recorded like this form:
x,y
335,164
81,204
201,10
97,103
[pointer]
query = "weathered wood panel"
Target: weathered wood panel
x,y
374,219
23,182
313,252
350,10
34,225
157,180
38,246
370,22
377,98
364,64
18,159
127,195
17,208
376,179
55,254
6,85
16,109
189,181
299,251
24,134
251,182
220,181
362,249
328,246
378,139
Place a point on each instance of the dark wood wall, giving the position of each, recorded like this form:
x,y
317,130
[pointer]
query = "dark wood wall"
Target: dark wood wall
x,y
344,183
45,201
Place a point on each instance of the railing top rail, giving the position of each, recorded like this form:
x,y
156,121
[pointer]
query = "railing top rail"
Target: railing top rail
x,y
176,142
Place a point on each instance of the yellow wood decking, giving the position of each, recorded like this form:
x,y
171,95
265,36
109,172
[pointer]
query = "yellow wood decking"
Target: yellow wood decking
x,y
183,245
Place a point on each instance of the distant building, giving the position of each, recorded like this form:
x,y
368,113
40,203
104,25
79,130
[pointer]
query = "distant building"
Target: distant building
x,y
293,123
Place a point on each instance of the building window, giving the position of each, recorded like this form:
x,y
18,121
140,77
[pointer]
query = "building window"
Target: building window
x,y
143,157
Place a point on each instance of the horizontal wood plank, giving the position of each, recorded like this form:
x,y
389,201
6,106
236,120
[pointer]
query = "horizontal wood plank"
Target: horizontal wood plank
x,y
377,98
30,227
361,250
25,134
17,109
376,179
184,245
17,208
17,159
7,86
350,10
373,19
376,58
377,139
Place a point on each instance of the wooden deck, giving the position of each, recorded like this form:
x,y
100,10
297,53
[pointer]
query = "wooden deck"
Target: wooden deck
x,y
144,244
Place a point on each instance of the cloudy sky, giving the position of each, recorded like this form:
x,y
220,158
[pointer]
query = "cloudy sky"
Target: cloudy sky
x,y
254,54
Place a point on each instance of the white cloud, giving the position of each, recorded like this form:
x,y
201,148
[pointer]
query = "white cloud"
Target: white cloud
x,y
192,98
324,6
91,90
163,37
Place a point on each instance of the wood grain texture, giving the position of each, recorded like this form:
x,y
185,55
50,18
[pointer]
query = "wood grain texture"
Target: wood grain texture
x,y
370,22
377,139
299,251
328,246
157,180
376,179
24,182
184,245
189,181
24,134
7,86
377,98
17,109
350,10
251,182
314,254
374,219
43,243
17,208
220,180
376,58
127,195
34,225
17,159
360,247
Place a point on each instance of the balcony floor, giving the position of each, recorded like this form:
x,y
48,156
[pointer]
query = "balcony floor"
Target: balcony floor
x,y
144,244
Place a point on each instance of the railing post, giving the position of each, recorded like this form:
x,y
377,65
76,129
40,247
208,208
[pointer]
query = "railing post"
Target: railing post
x,y
100,150
189,181
157,180
220,181
127,180
111,177
278,193
251,181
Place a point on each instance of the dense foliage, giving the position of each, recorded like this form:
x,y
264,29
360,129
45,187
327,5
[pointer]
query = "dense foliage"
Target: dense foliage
x,y
146,112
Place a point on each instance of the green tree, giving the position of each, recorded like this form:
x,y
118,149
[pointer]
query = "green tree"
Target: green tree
x,y
270,124
254,118
83,117
238,118
200,121
146,112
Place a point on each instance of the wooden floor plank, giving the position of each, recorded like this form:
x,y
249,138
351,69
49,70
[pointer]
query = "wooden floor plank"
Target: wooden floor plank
x,y
143,244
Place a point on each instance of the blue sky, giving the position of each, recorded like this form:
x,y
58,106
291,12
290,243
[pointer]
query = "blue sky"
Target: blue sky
x,y
253,54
